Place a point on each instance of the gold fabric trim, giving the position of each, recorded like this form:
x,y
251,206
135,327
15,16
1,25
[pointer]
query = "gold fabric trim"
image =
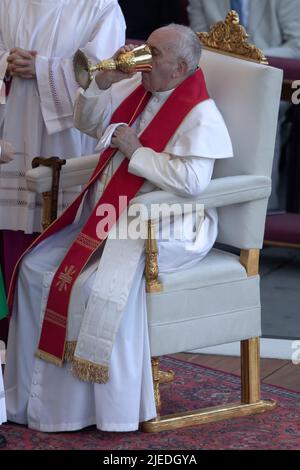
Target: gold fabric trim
x,y
49,358
70,347
56,318
87,242
89,371
65,278
230,37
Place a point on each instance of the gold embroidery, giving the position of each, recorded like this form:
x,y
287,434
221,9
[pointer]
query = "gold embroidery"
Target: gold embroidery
x,y
70,347
49,358
89,371
87,242
65,278
56,318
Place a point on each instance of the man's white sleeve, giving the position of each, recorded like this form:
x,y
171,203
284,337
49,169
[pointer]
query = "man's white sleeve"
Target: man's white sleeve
x,y
92,110
182,176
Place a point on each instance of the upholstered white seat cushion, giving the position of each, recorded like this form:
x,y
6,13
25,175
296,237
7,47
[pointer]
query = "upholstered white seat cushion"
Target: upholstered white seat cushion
x,y
211,303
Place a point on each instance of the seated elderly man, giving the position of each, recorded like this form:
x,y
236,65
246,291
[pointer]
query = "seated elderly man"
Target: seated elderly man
x,y
163,131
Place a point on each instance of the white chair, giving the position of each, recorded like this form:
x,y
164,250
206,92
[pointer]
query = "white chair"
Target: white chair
x,y
219,301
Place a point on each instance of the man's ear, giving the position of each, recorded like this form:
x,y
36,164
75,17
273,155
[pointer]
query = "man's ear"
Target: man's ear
x,y
181,70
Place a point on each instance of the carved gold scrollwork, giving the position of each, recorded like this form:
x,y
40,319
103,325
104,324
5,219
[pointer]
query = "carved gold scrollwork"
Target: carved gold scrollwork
x,y
230,37
155,374
151,269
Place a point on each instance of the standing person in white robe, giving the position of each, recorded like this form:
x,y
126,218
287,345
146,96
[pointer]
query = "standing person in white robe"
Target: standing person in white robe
x,y
50,398
38,39
6,154
2,406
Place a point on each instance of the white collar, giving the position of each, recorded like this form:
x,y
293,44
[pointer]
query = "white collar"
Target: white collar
x,y
162,95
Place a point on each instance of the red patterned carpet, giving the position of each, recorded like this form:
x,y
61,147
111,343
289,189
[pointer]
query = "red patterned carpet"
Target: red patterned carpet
x,y
194,387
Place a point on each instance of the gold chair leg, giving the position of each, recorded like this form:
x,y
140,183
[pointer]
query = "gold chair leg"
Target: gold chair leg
x,y
151,269
250,371
166,376
206,415
155,374
250,401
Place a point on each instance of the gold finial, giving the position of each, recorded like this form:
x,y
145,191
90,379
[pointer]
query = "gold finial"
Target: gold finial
x,y
230,37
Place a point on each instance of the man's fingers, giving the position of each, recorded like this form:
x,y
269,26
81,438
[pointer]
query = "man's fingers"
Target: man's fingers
x,y
25,77
17,58
119,130
19,62
123,49
21,53
23,70
130,47
114,142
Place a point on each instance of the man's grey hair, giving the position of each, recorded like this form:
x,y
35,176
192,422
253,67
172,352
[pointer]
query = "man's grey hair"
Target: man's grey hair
x,y
189,48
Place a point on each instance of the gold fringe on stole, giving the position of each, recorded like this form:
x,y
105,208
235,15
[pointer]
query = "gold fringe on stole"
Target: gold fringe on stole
x,y
49,358
70,347
89,371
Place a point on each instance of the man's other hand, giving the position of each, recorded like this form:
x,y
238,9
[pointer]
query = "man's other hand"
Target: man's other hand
x,y
126,140
105,78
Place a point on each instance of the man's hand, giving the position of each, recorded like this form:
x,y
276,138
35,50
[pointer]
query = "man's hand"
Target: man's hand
x,y
21,63
126,140
105,78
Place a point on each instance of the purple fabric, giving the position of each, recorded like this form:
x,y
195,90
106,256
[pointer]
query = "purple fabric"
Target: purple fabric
x,y
291,67
283,228
14,243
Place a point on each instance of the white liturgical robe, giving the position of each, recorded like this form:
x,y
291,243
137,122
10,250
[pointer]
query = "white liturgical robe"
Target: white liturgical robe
x,y
37,117
50,398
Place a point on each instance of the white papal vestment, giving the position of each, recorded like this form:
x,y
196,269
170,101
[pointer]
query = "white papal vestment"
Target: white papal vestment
x,y
38,115
49,398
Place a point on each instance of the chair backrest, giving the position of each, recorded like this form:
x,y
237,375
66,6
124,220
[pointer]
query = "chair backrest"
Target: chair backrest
x,y
248,96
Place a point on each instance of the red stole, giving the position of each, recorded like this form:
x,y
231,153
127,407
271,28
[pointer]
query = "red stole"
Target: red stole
x,y
187,95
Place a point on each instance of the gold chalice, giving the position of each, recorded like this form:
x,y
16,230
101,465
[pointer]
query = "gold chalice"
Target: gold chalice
x,y
137,60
